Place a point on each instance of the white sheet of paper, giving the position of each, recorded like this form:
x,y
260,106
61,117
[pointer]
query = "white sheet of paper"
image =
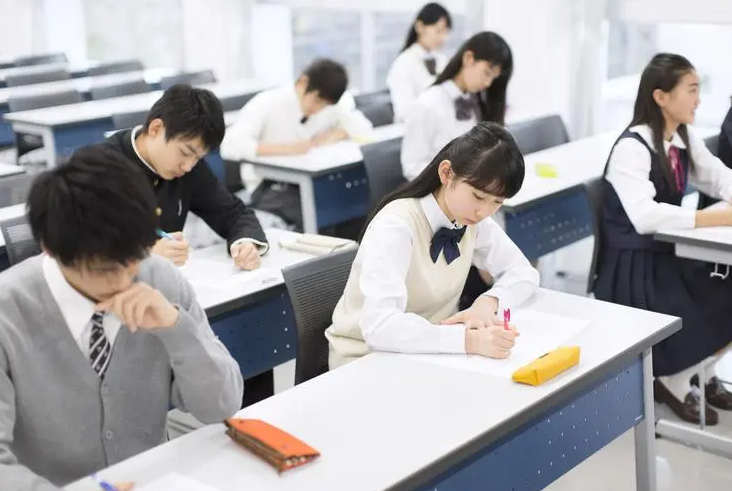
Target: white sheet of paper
x,y
175,482
223,274
539,334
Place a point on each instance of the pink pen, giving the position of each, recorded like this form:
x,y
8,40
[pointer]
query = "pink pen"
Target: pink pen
x,y
506,318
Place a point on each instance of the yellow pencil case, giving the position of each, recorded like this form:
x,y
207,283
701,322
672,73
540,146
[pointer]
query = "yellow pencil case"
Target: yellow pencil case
x,y
548,366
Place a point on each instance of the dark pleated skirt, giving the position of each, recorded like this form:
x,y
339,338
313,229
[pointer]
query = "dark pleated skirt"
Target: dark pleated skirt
x,y
664,283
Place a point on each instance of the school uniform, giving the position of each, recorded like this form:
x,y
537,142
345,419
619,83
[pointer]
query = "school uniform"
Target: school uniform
x,y
411,73
406,278
198,192
275,116
80,392
638,271
440,114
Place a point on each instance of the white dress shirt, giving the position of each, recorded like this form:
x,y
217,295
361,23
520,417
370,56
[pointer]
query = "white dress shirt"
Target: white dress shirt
x,y
629,169
430,125
408,77
274,116
76,309
385,254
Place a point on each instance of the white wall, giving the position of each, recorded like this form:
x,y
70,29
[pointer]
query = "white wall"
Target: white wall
x,y
16,28
64,28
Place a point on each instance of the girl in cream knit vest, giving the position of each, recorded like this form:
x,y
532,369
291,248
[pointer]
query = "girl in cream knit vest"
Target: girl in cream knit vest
x,y
418,245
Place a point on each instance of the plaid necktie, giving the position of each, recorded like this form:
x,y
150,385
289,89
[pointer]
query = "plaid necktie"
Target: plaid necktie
x,y
99,347
676,168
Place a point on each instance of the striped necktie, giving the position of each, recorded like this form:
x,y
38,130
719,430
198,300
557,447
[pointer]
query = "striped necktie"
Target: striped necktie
x,y
99,347
676,167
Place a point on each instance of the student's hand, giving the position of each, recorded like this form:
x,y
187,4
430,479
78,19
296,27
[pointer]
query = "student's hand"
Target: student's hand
x,y
491,342
124,486
246,255
329,137
481,314
141,307
175,250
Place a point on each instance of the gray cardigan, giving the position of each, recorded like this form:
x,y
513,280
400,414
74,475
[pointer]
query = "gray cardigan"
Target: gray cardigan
x,y
59,422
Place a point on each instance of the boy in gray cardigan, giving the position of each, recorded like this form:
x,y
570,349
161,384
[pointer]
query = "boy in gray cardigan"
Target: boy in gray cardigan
x,y
96,338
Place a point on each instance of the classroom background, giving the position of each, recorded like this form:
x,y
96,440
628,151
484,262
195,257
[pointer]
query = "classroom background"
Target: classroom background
x,y
578,59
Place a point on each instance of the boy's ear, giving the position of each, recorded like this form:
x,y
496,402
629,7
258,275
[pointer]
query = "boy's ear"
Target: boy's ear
x,y
302,83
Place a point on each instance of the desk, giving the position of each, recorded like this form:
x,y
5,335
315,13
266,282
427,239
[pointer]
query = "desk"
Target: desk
x,y
75,70
444,429
332,179
10,170
66,128
550,213
82,85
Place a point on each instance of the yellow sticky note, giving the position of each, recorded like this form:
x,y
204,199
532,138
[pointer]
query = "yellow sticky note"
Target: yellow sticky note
x,y
544,169
362,139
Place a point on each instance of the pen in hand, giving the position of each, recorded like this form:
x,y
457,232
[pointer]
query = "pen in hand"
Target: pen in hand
x,y
165,235
103,484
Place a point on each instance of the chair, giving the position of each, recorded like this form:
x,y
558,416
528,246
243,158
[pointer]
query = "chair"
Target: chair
x,y
119,90
41,59
122,121
19,241
26,143
383,165
236,102
116,67
712,143
315,286
595,190
539,133
14,189
376,106
36,78
190,78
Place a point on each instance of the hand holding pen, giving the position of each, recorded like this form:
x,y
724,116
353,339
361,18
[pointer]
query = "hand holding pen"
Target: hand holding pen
x,y
105,486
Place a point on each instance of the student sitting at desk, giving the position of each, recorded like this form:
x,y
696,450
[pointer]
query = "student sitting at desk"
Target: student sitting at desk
x,y
292,120
181,128
97,339
471,88
645,177
724,152
403,291
417,66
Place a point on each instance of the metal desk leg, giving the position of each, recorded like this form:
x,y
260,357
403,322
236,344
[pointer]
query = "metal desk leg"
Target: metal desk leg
x,y
645,439
307,205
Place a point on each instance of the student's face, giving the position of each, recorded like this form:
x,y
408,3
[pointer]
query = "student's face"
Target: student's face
x,y
466,204
175,157
432,36
679,105
478,75
98,280
310,102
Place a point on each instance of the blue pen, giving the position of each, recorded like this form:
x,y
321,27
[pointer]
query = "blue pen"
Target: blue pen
x,y
103,484
165,235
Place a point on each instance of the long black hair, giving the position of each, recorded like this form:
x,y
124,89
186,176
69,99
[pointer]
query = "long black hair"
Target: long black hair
x,y
427,15
485,46
486,157
663,72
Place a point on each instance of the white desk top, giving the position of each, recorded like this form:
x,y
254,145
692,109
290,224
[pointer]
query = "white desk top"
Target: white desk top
x,y
105,108
711,244
577,162
322,159
10,170
433,412
47,67
83,84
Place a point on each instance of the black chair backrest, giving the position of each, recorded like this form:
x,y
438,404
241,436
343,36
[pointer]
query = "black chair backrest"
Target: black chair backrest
x,y
235,103
712,143
19,241
382,161
376,106
538,134
122,121
36,78
595,192
41,59
315,286
190,78
46,100
119,90
116,67
14,189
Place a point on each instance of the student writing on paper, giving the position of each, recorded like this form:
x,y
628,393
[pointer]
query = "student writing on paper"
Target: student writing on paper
x,y
403,291
316,110
646,175
420,60
97,338
181,128
471,88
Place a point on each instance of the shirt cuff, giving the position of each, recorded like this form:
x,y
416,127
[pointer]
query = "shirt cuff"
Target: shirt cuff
x,y
262,247
726,194
499,294
452,339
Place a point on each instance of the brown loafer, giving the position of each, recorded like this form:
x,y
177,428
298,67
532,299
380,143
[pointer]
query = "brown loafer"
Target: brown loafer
x,y
716,393
687,410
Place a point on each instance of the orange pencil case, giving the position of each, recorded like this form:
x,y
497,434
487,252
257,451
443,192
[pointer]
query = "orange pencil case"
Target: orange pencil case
x,y
271,444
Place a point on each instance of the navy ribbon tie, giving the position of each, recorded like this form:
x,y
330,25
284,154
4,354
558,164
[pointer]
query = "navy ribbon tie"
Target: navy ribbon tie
x,y
446,240
431,65
464,108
